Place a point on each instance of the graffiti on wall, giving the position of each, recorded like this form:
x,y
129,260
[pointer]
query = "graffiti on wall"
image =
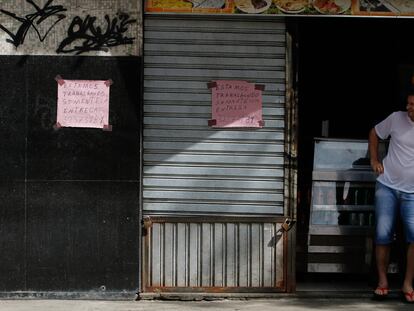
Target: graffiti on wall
x,y
85,36
73,27
33,20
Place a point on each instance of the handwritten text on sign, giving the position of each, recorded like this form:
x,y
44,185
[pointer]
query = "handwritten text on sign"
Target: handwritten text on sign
x,y
236,104
83,103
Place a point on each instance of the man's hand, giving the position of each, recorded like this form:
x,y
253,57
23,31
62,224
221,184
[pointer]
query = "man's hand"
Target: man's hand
x,y
373,141
377,167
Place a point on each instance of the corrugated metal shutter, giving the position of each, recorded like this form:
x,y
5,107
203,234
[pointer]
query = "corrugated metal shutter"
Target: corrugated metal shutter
x,y
249,255
190,168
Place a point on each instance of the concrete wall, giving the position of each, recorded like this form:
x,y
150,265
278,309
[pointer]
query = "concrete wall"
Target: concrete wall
x,y
69,198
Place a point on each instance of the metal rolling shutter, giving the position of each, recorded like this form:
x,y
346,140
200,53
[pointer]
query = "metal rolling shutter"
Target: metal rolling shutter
x,y
190,168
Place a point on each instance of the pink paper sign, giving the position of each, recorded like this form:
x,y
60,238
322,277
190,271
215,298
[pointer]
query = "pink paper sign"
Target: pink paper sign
x,y
83,103
236,104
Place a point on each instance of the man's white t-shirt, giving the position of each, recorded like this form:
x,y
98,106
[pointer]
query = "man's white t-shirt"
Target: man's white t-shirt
x,y
399,162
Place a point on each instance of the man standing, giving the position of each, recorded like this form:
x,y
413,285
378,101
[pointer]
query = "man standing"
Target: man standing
x,y
394,192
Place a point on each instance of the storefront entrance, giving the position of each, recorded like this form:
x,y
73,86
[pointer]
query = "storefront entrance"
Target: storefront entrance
x,y
352,73
349,75
214,199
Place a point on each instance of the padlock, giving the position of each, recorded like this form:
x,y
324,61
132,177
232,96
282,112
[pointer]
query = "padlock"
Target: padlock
x,y
288,224
285,225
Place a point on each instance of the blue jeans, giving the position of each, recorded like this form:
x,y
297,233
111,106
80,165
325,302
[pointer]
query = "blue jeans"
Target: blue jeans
x,y
388,202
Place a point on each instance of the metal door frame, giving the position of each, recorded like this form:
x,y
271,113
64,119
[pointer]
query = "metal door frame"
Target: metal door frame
x,y
291,172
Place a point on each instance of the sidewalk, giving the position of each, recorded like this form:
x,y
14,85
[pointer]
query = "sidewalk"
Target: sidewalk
x,y
282,304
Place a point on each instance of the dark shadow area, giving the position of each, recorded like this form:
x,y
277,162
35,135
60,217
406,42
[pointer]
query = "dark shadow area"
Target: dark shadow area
x,y
352,72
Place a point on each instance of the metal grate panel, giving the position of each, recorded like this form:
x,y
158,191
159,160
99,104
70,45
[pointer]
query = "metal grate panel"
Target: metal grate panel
x,y
215,255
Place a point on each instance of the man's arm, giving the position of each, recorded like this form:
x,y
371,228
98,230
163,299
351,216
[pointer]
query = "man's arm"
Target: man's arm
x,y
373,141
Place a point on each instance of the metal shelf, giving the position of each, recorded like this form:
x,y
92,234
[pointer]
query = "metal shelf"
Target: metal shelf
x,y
341,175
335,268
338,208
344,175
332,249
340,230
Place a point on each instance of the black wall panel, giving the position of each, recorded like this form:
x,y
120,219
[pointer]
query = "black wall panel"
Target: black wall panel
x,y
12,174
80,153
70,197
12,236
12,118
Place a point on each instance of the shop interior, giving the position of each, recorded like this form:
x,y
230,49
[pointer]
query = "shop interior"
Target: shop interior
x,y
352,72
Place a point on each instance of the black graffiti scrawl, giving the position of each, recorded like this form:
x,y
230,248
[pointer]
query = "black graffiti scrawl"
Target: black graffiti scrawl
x,y
35,21
84,35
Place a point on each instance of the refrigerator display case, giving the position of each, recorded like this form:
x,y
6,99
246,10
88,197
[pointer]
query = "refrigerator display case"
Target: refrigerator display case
x,y
342,207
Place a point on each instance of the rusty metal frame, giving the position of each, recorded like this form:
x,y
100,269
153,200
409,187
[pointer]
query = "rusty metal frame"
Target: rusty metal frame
x,y
147,223
214,219
291,172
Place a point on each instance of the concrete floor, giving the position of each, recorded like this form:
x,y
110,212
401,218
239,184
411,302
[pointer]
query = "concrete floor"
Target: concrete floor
x,y
283,304
314,293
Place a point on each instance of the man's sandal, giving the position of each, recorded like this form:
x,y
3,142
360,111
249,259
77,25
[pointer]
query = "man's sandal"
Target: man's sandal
x,y
381,293
409,296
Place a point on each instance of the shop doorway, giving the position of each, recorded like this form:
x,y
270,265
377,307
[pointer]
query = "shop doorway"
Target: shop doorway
x,y
350,75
